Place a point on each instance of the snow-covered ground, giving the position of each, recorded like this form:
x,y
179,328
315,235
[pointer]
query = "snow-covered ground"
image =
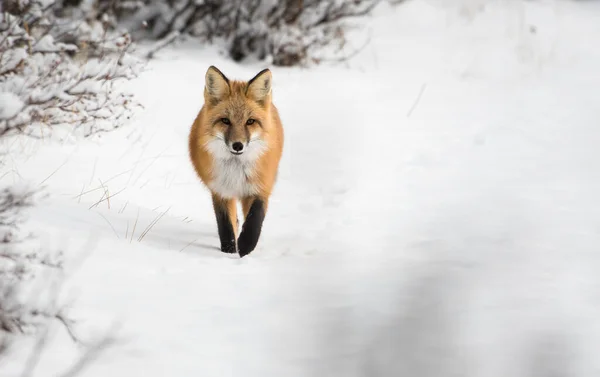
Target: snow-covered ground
x,y
436,213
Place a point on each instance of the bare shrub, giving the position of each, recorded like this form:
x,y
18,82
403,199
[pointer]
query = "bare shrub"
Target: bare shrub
x,y
288,32
22,262
61,72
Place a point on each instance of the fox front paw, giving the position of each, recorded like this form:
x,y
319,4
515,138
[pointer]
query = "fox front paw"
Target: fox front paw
x,y
245,245
228,248
252,227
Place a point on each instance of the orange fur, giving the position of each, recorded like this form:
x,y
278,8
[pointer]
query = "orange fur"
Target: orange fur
x,y
237,111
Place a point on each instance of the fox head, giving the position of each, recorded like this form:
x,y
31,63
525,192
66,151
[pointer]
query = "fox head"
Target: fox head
x,y
237,113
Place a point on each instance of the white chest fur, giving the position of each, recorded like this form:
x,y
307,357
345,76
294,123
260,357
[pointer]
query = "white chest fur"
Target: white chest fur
x,y
232,175
231,178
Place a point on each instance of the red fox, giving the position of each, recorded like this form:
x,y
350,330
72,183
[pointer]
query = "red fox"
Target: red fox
x,y
235,145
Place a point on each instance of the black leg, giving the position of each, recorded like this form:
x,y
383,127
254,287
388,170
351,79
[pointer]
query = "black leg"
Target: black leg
x,y
224,225
252,227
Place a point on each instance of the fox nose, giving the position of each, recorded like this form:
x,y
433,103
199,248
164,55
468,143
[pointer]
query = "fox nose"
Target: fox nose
x,y
237,147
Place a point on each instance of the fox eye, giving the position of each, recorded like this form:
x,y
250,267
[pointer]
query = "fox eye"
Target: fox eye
x,y
226,121
250,121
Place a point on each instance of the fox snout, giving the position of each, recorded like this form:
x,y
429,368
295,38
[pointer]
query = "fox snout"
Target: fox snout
x,y
236,139
236,147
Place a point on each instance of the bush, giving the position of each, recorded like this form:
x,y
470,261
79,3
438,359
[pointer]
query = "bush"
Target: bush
x,y
21,264
61,72
288,32
30,278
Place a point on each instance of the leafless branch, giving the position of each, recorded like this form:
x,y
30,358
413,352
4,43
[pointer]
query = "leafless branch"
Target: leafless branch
x,y
167,40
417,100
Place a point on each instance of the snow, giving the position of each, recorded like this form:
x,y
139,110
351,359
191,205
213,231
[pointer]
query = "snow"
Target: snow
x,y
47,44
436,211
10,105
11,59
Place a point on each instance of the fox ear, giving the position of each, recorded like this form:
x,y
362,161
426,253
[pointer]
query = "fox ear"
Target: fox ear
x,y
216,84
259,88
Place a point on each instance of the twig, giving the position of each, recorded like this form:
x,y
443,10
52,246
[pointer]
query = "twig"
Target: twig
x,y
107,198
350,55
94,170
81,193
118,175
92,353
109,223
107,193
54,172
41,342
417,100
101,199
170,38
105,182
333,15
36,353
67,324
134,225
9,256
154,159
151,225
87,192
185,247
144,184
